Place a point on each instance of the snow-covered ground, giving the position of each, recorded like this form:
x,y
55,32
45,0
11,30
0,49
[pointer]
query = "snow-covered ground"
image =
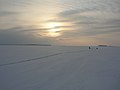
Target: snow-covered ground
x,y
59,68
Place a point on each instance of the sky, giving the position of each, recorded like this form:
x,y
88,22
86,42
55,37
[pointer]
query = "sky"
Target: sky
x,y
60,22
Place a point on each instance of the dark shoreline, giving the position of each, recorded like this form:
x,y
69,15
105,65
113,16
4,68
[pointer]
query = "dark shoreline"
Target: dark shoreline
x,y
25,45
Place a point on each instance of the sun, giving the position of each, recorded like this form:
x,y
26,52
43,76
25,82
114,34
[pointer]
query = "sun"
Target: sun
x,y
54,29
54,32
53,24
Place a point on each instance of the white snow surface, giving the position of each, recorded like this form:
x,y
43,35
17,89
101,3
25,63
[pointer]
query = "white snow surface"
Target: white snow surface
x,y
59,68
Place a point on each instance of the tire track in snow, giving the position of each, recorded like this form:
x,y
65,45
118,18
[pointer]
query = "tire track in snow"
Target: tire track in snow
x,y
28,60
57,76
34,59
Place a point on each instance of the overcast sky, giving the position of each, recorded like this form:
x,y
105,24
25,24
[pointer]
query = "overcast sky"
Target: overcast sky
x,y
60,22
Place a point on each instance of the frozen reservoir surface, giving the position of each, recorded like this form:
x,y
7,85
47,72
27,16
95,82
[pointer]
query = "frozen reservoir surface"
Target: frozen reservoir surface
x,y
59,68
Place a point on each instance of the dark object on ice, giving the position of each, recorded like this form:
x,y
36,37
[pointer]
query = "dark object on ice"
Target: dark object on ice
x,y
89,47
96,48
102,45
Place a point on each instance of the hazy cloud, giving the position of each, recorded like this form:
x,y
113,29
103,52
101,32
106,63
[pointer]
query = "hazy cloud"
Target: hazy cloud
x,y
79,18
12,37
7,13
96,18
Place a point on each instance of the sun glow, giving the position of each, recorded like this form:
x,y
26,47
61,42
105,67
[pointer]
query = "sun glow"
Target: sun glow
x,y
53,24
54,32
54,29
